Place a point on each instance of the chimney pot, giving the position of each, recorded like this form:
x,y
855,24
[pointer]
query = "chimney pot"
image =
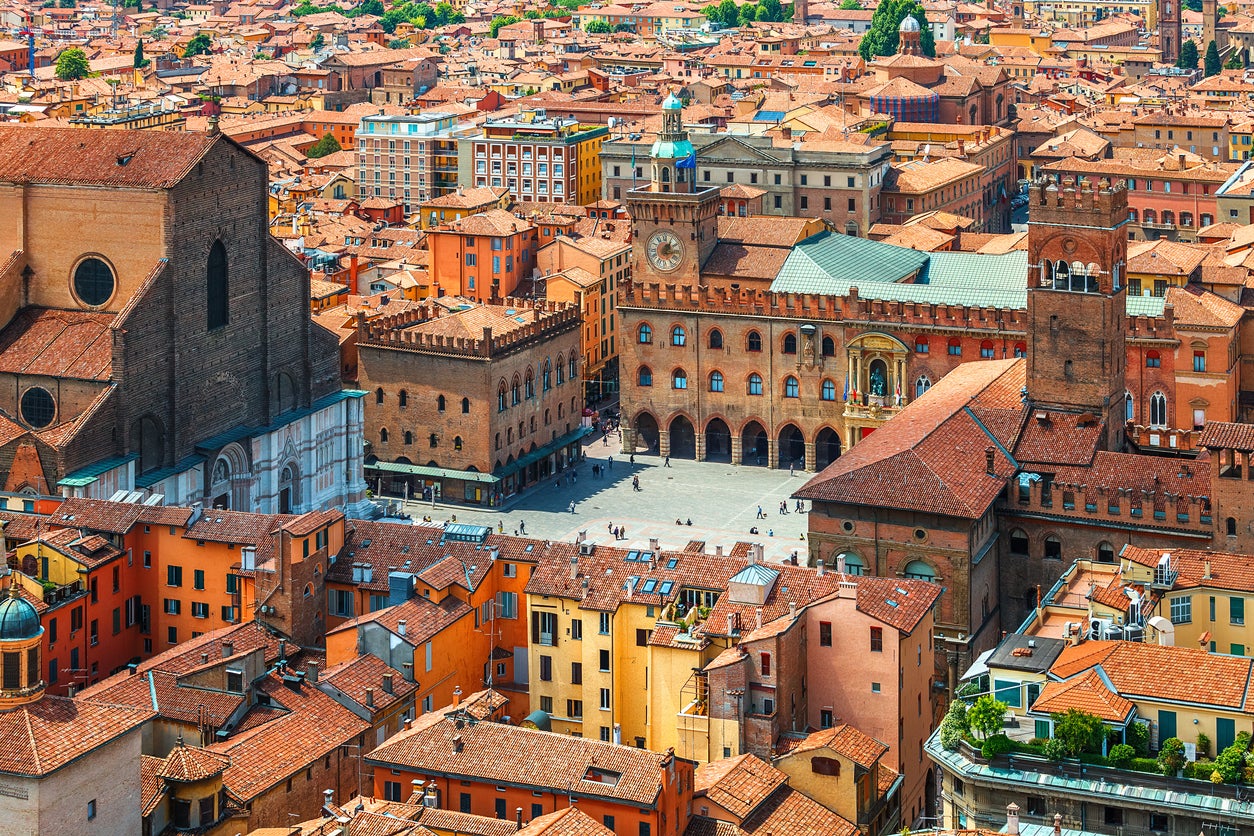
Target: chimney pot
x,y
369,698
387,683
1012,819
457,743
518,816
328,797
1057,824
228,649
821,570
311,672
400,627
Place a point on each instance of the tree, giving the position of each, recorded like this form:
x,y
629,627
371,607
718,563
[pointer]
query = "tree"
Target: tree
x,y
598,27
318,41
954,727
624,27
882,38
497,22
987,715
1121,756
72,65
1211,64
1234,61
850,5
324,146
728,12
770,10
1188,56
399,43
140,60
199,45
1079,731
67,4
369,7
1171,757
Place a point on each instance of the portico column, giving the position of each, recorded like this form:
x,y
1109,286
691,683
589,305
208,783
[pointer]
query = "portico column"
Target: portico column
x,y
663,442
629,440
772,453
700,447
736,452
811,459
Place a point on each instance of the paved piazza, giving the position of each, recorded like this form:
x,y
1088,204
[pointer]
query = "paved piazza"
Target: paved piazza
x,y
721,500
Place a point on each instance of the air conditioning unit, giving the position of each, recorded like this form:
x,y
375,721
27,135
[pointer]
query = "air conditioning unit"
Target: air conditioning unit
x,y
1134,633
1098,629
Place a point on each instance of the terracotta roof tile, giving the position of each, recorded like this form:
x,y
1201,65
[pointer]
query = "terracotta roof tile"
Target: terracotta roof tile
x,y
122,159
1085,692
1162,672
789,813
188,764
1229,436
43,736
853,744
55,343
570,821
353,677
738,784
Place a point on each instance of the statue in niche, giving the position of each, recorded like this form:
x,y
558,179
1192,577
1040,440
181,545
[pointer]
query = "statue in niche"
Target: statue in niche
x,y
879,386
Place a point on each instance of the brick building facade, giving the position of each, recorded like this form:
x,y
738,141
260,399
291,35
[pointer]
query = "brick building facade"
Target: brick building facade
x,y
170,349
519,416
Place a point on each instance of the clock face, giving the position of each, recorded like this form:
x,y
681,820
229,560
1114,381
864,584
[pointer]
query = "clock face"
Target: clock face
x,y
665,251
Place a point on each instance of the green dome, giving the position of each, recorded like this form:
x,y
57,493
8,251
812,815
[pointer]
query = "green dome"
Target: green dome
x,y
672,103
18,619
671,150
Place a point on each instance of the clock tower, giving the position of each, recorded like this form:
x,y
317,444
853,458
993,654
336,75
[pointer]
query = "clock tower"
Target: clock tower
x,y
674,220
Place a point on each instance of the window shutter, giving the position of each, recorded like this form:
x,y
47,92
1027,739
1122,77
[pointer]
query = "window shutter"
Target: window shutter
x,y
535,628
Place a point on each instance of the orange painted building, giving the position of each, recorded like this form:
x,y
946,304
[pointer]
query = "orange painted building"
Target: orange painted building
x,y
483,256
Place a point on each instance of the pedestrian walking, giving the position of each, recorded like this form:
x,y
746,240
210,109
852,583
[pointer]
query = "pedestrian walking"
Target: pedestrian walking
x,y
574,477
790,469
635,483
605,440
761,516
500,526
622,531
631,458
522,526
666,461
610,459
783,508
571,507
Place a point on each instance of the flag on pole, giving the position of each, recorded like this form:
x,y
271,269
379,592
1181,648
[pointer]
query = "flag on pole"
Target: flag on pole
x,y
846,395
689,161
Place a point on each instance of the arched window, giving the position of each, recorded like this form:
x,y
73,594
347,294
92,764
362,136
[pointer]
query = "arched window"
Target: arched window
x,y
515,391
308,590
500,397
1158,410
922,385
828,391
378,395
679,379
920,345
1153,359
853,563
465,406
1053,548
678,336
1062,276
457,441
754,341
561,408
790,343
644,333
644,377
217,287
548,374
755,384
1169,217
1129,406
1019,544
716,338
409,437
547,418
791,388
1105,552
986,350
1149,216
955,346
572,366
561,370
383,436
920,571
93,282
1021,349
530,386
716,381
497,441
829,347
434,441
1230,526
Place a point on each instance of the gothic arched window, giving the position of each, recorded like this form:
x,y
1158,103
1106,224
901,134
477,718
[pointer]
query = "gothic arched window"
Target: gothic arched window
x,y
217,288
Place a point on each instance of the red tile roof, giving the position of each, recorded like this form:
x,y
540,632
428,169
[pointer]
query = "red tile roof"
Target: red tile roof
x,y
120,159
1086,692
738,784
844,739
569,821
1225,435
933,458
189,764
43,736
54,343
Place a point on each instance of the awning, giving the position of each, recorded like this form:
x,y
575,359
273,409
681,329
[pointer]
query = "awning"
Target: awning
x,y
433,472
540,452
980,667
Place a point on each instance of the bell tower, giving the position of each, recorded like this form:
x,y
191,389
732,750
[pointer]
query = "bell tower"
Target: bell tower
x,y
1169,29
1077,254
674,220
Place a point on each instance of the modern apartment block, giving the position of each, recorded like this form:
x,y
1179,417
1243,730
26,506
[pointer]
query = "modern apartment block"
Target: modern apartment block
x,y
539,158
410,158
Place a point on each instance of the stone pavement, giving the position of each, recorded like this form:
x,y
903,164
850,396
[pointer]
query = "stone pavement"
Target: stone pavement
x,y
720,499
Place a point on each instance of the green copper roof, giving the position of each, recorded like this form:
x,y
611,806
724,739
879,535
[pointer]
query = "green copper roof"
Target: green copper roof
x,y
671,150
672,103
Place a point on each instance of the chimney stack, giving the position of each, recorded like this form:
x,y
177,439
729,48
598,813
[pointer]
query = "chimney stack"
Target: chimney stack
x,y
1206,570
457,695
518,817
369,698
792,610
757,619
990,460
387,683
731,623
1057,824
820,567
311,672
228,649
840,563
328,797
574,567
1012,819
457,743
400,627
282,650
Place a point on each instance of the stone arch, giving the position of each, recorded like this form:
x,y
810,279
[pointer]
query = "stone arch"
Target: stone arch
x,y
754,443
646,431
683,437
792,446
826,447
717,440
289,488
229,480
